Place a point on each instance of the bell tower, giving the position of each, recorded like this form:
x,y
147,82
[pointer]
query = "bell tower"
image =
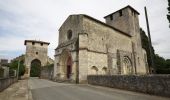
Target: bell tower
x,y
126,20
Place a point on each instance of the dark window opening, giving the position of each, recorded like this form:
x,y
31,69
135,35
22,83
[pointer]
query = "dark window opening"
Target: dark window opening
x,y
41,44
111,17
132,13
120,13
69,34
33,43
36,53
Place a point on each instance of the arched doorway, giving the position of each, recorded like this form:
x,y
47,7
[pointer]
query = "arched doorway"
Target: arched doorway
x,y
127,66
69,67
35,68
66,64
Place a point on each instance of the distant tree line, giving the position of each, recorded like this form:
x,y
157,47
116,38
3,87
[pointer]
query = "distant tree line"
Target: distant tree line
x,y
162,65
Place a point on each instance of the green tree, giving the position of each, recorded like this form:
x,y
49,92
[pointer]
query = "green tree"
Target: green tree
x,y
168,63
145,45
168,15
14,66
162,65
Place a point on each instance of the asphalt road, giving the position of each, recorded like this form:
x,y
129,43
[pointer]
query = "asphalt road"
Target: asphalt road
x,y
47,90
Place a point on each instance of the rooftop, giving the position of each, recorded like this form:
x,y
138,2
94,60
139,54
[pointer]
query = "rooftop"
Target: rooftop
x,y
122,9
35,41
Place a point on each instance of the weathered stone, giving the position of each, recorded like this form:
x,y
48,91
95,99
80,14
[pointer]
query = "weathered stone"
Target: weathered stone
x,y
99,48
151,84
36,50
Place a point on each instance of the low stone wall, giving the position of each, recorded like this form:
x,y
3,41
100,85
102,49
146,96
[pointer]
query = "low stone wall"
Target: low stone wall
x,y
6,82
150,84
46,73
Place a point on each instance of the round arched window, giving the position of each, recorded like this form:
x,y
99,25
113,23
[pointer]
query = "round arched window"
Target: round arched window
x,y
69,34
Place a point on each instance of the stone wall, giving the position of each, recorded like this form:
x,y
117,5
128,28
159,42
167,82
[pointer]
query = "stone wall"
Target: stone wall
x,y
47,72
150,84
6,82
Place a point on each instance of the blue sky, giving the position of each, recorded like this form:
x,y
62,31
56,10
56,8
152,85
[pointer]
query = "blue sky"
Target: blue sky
x,y
41,19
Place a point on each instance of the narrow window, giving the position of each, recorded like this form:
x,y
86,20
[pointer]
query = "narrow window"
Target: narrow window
x,y
139,60
111,17
33,43
132,12
120,13
69,34
41,44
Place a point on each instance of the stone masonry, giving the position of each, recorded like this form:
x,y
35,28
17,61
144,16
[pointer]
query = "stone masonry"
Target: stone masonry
x,y
36,50
88,46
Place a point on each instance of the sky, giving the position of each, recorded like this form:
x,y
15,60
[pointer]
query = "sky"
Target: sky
x,y
40,20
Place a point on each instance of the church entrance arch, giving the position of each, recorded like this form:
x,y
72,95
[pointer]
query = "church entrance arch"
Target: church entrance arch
x,y
35,68
66,64
69,67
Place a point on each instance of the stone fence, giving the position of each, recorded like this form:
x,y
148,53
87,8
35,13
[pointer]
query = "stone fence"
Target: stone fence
x,y
6,82
150,84
46,73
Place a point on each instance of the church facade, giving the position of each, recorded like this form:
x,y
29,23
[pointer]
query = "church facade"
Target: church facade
x,y
88,46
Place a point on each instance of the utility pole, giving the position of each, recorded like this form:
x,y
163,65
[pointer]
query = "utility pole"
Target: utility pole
x,y
18,68
150,43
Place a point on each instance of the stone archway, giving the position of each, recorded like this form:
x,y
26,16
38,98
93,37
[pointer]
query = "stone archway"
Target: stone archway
x,y
127,66
65,64
35,69
94,70
104,71
35,50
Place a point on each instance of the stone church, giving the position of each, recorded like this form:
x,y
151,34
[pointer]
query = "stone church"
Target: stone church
x,y
88,46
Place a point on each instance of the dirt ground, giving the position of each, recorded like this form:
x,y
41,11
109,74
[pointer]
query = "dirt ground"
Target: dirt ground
x,y
17,91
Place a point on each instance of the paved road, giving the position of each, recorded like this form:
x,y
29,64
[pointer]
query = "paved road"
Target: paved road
x,y
46,90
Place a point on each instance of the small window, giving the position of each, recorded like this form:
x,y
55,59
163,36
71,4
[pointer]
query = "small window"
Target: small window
x,y
36,53
139,60
132,12
33,43
69,34
41,44
111,17
120,13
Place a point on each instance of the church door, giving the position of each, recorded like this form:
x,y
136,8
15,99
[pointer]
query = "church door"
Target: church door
x,y
69,67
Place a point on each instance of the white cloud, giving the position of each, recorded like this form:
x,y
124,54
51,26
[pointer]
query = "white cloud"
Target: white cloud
x,y
40,19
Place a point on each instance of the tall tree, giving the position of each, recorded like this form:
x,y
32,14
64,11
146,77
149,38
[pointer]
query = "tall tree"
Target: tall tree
x,y
162,65
168,15
145,45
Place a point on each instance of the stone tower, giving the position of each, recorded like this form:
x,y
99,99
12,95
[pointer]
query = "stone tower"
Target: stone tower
x,y
35,50
126,20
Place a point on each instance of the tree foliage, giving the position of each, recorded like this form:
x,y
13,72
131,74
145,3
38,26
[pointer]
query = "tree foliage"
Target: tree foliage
x,y
145,45
162,65
1,72
14,66
168,15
